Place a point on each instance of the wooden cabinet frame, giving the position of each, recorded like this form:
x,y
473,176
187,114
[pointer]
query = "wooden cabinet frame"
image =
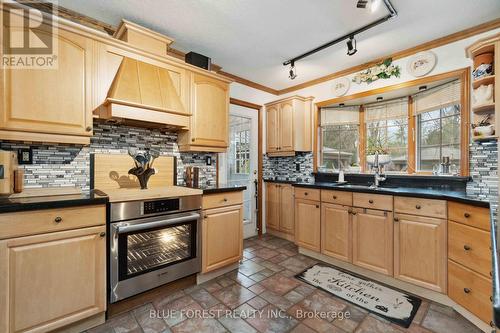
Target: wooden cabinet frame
x,y
462,74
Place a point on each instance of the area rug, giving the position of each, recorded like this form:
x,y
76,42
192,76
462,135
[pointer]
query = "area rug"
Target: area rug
x,y
384,301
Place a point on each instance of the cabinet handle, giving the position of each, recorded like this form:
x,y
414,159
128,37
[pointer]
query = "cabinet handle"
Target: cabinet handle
x,y
467,290
334,197
305,193
225,199
370,201
205,216
467,248
58,219
192,140
102,234
492,324
89,128
418,207
354,213
466,215
491,298
396,219
317,206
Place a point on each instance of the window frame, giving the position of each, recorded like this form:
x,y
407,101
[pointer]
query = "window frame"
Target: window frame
x,y
462,74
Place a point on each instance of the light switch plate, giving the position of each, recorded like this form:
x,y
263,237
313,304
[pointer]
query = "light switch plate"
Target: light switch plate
x,y
25,156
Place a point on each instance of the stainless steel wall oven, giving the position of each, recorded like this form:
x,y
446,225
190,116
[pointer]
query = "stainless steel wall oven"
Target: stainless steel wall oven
x,y
153,242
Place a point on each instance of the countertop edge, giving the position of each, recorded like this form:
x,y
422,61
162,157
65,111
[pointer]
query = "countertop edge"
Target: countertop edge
x,y
224,189
388,191
43,205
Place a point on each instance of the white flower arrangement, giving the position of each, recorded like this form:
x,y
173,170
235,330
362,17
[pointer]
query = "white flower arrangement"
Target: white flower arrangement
x,y
384,70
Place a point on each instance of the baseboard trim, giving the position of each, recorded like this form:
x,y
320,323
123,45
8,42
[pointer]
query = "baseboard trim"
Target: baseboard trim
x,y
281,234
413,289
84,324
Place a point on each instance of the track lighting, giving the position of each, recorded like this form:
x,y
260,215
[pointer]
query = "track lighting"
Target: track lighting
x,y
293,71
351,46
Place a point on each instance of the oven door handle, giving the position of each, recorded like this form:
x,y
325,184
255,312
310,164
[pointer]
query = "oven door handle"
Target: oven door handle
x,y
144,226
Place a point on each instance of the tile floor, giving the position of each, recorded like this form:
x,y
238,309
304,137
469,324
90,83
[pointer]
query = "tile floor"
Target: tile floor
x,y
265,281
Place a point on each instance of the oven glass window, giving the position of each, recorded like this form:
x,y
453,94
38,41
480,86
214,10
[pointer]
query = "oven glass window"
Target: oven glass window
x,y
152,249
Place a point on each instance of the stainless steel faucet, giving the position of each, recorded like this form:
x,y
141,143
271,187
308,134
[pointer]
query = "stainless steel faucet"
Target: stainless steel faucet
x,y
376,168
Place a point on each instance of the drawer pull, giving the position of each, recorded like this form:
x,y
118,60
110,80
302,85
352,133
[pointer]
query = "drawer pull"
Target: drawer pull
x,y
305,193
467,290
334,197
396,219
225,199
102,234
418,207
353,213
467,248
205,216
317,206
58,219
370,201
466,215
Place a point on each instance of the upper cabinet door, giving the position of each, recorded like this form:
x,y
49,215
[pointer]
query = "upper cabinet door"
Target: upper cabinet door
x,y
272,132
51,101
210,98
286,126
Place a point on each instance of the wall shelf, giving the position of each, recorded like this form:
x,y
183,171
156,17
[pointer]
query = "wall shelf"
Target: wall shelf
x,y
484,138
484,108
484,81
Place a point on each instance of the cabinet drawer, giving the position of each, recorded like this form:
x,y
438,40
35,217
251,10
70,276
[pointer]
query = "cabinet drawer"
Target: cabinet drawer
x,y
474,216
307,193
222,199
470,247
421,207
372,201
470,290
50,220
337,197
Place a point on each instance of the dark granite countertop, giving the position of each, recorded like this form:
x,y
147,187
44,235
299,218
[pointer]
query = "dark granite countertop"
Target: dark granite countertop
x,y
8,205
421,192
268,180
221,188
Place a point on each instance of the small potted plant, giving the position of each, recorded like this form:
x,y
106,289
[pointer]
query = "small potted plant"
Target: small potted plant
x,y
374,147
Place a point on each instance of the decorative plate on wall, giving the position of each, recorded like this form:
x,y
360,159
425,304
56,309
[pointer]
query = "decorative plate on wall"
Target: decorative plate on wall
x,y
340,86
421,64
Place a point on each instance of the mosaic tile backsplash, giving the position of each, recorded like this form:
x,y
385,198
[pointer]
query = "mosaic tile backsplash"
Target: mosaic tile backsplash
x,y
58,165
285,168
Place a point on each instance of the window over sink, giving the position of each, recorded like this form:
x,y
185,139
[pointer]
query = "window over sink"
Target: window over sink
x,y
412,130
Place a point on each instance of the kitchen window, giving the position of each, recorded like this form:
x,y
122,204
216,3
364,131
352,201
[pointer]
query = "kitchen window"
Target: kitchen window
x,y
387,133
340,138
438,126
414,132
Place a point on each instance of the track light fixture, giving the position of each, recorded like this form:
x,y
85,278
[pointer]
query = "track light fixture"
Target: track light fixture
x,y
293,71
351,46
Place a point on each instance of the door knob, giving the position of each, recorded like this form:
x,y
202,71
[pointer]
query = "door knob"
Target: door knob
x,y
370,201
466,215
58,219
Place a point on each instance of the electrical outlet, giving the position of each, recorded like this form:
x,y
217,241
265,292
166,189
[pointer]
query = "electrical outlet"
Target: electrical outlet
x,y
25,156
209,160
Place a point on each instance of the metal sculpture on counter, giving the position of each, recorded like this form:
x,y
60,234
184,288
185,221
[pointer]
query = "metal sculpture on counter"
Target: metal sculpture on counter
x,y
143,169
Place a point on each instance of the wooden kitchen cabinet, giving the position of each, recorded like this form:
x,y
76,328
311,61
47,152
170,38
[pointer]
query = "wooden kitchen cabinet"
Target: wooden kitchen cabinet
x,y
336,231
51,105
70,284
420,251
280,209
222,237
372,240
210,116
289,126
308,224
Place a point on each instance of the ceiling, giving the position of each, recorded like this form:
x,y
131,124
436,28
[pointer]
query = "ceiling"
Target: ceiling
x,y
252,38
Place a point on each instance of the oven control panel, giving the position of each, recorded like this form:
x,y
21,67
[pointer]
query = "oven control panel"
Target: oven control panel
x,y
160,206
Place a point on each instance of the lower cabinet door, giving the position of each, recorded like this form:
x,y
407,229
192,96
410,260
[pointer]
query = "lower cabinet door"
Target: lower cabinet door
x,y
336,231
273,206
222,237
420,251
287,217
308,224
372,240
49,281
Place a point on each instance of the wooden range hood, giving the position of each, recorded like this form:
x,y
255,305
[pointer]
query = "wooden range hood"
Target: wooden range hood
x,y
142,92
